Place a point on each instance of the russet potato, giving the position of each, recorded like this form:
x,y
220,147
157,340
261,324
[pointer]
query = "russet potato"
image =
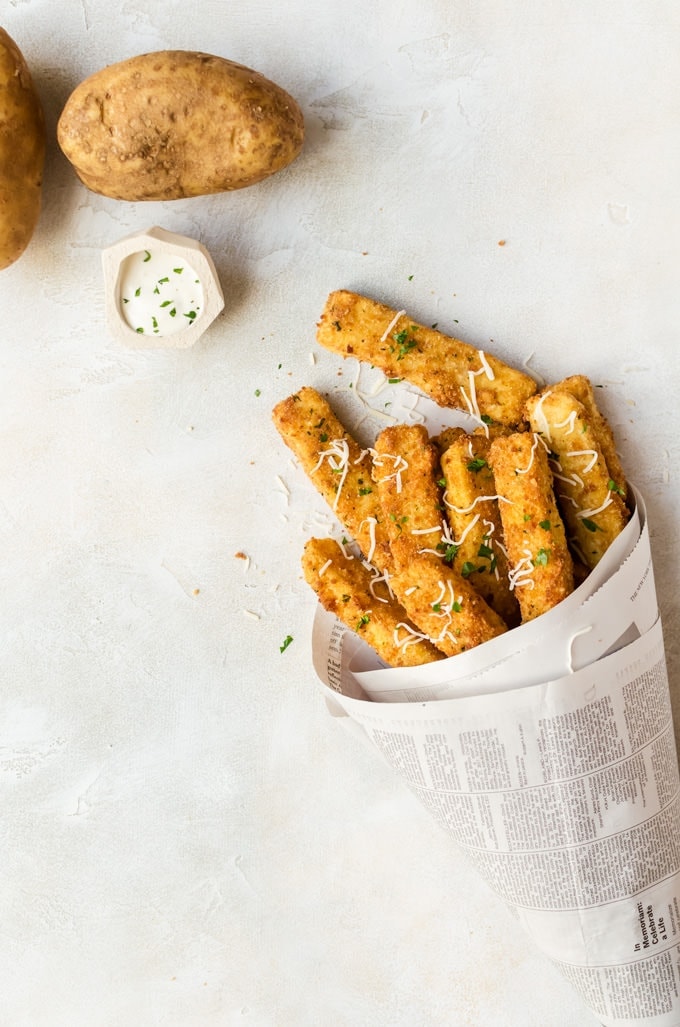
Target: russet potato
x,y
174,124
22,152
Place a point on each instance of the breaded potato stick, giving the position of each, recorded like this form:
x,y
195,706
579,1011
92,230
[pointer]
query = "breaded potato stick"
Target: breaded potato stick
x,y
593,509
541,567
475,522
580,387
338,467
406,473
345,587
452,372
445,606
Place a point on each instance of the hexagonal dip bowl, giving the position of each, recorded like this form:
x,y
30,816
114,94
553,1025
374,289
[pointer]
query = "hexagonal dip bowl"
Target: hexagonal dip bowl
x,y
161,288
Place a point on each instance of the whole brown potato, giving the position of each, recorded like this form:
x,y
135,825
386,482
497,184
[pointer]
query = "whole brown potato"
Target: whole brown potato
x,y
175,123
22,152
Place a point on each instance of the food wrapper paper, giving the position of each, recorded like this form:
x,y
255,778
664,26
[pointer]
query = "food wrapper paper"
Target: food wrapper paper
x,y
549,755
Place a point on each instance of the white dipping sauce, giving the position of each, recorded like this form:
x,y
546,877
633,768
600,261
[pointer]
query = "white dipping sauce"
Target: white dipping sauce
x,y
159,293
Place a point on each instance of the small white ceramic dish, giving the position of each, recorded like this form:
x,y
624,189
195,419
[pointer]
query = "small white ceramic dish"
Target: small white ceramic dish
x,y
162,290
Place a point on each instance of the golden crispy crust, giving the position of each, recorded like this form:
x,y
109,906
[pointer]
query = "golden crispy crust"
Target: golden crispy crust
x,y
338,467
405,470
593,513
475,521
581,388
452,372
541,567
445,606
343,586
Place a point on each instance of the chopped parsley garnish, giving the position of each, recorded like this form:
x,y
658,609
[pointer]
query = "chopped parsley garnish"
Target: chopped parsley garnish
x,y
448,549
405,342
476,464
286,642
542,557
468,568
613,487
545,525
591,525
364,619
147,256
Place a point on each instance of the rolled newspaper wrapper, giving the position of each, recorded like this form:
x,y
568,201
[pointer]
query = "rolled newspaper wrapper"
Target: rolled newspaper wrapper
x,y
549,755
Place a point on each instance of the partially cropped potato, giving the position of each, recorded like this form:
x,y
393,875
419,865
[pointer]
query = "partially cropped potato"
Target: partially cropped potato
x,y
176,123
22,152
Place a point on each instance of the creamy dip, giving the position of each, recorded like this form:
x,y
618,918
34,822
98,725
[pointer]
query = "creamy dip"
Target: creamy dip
x,y
159,293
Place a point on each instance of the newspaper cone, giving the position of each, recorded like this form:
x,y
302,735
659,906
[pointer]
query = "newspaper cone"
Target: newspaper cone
x,y
549,755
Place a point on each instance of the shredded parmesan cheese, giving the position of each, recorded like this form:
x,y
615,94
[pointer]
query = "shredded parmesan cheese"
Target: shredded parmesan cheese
x,y
337,456
522,573
478,499
592,453
518,470
540,418
412,636
371,521
399,465
400,313
597,509
486,367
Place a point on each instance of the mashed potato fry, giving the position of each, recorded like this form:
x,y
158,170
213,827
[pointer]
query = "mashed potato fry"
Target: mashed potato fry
x,y
592,507
475,521
579,386
541,567
445,606
361,600
338,467
452,372
405,471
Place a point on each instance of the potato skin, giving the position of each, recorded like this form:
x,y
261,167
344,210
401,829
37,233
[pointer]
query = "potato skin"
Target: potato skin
x,y
22,152
175,124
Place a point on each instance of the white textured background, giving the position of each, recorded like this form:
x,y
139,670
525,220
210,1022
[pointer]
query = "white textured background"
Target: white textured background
x,y
186,837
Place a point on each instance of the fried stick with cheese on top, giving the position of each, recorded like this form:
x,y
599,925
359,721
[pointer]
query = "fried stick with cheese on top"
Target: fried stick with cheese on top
x,y
474,518
593,510
579,386
338,467
347,588
452,372
445,606
406,473
541,567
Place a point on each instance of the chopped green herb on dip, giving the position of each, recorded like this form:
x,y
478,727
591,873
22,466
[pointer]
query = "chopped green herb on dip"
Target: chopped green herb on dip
x,y
155,296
